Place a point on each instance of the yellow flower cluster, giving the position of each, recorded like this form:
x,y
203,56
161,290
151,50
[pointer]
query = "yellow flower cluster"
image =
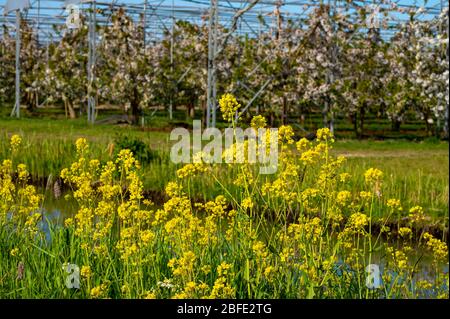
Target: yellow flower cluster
x,y
373,176
394,204
20,203
183,266
217,208
81,146
191,170
324,134
416,214
86,271
15,142
247,203
221,288
99,291
358,221
15,252
405,232
343,198
286,134
438,247
228,106
258,121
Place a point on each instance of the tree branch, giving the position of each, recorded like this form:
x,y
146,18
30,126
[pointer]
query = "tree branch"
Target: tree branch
x,y
233,27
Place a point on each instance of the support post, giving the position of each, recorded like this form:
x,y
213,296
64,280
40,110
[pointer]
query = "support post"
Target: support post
x,y
91,63
171,62
446,124
212,48
214,67
144,23
16,109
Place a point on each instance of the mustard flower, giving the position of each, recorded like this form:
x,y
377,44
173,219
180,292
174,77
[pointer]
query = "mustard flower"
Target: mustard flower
x,y
405,232
228,106
416,214
286,134
373,175
247,203
15,252
173,189
86,271
98,291
344,177
15,142
358,220
258,121
150,295
81,145
22,172
394,204
303,145
438,247
324,134
343,198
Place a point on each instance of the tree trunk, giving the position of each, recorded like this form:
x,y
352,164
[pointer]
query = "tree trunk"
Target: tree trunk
x,y
30,102
135,110
204,111
446,129
271,119
284,112
68,107
361,124
332,122
354,121
325,115
429,130
134,113
72,113
190,110
395,124
302,119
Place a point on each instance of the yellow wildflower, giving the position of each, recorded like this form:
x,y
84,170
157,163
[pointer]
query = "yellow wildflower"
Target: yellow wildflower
x,y
86,271
373,175
324,134
15,142
343,198
150,295
394,204
15,252
258,121
416,214
247,203
405,232
98,291
81,145
286,134
228,105
358,220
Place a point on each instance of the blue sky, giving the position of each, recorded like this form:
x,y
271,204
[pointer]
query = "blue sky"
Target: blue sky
x,y
52,11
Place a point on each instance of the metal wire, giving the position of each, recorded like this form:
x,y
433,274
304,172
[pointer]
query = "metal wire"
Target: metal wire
x,y
44,15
